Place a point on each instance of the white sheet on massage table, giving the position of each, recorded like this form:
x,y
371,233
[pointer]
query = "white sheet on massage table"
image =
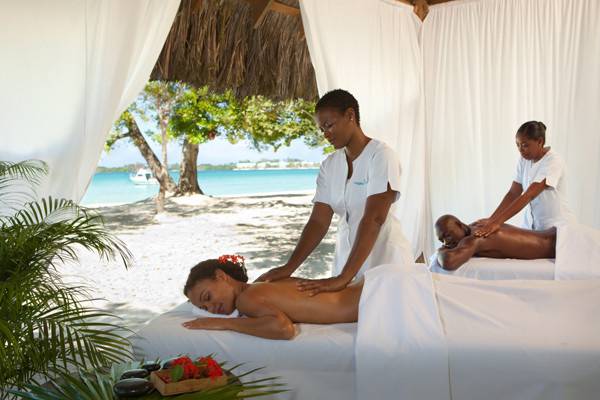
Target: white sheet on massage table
x,y
499,269
521,339
317,364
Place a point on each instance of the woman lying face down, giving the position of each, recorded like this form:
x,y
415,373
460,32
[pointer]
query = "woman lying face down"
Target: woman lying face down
x,y
267,309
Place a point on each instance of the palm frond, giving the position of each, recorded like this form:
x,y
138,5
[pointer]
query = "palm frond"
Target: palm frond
x,y
98,385
51,328
48,328
17,183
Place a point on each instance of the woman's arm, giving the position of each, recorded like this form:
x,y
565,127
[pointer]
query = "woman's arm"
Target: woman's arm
x,y
376,211
263,320
513,193
314,231
512,209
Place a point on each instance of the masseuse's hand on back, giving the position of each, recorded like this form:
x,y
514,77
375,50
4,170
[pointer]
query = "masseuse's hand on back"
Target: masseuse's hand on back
x,y
276,274
374,216
314,231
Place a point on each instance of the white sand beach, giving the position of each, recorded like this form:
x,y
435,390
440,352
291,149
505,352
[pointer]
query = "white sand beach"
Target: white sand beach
x,y
262,228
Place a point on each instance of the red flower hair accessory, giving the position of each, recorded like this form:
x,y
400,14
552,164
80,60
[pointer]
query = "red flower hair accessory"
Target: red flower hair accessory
x,y
239,260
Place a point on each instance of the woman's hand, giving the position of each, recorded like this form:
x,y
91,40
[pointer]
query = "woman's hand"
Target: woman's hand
x,y
214,324
487,229
275,274
315,286
481,222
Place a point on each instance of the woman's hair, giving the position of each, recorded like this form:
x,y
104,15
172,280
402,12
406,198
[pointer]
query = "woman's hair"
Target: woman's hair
x,y
340,100
533,130
206,270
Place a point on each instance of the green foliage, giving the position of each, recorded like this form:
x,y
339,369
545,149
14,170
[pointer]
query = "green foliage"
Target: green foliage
x,y
176,373
120,128
97,385
45,325
202,115
11,174
199,115
274,124
157,101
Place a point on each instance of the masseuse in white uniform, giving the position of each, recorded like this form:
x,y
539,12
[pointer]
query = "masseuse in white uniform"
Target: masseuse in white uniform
x,y
539,183
359,182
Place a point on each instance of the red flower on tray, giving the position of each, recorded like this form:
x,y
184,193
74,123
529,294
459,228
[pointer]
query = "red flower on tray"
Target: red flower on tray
x,y
213,369
184,368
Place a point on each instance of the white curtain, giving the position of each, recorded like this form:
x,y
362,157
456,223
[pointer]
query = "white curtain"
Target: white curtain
x,y
482,68
372,50
491,65
68,69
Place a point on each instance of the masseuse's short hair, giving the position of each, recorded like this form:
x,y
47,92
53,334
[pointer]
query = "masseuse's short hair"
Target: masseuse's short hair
x,y
340,100
533,130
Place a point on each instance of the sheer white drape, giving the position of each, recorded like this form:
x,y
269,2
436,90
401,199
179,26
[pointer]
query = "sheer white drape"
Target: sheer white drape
x,y
486,66
68,69
371,49
491,65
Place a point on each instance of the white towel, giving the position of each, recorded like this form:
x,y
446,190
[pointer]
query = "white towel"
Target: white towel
x,y
205,314
401,350
577,252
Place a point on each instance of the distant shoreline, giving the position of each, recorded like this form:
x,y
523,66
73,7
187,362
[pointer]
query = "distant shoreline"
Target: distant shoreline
x,y
289,193
202,168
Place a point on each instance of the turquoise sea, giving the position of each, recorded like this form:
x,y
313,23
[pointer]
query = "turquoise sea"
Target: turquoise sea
x,y
116,188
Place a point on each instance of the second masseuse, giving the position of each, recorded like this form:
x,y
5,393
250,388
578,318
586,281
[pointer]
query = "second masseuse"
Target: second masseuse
x,y
360,182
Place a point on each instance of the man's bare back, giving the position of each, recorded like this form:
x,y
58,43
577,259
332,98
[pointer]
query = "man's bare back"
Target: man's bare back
x,y
508,242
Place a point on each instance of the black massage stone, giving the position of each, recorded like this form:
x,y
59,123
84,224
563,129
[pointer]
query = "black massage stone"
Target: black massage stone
x,y
132,387
151,367
135,373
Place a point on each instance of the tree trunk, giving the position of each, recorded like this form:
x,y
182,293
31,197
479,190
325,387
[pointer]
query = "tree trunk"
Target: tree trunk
x,y
160,201
162,118
160,171
188,173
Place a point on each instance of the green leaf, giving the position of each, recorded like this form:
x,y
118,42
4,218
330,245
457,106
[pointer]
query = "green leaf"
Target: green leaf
x,y
176,373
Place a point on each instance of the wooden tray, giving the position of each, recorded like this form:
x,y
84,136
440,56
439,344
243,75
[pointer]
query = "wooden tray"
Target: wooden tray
x,y
186,386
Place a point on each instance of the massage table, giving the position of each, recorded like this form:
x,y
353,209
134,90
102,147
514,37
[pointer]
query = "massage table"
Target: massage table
x,y
577,258
499,268
422,336
317,364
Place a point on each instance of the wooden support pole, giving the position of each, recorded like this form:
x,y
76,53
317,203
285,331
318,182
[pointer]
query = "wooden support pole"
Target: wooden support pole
x,y
284,8
259,10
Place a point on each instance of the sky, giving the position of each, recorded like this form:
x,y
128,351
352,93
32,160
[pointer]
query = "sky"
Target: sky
x,y
218,151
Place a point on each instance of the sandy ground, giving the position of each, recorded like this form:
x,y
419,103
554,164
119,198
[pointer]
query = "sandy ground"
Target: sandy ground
x,y
264,229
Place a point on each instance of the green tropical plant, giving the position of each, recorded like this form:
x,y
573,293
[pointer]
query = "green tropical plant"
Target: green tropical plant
x,y
46,326
98,385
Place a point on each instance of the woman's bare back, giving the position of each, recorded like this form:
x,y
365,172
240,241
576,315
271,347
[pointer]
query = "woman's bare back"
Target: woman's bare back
x,y
323,308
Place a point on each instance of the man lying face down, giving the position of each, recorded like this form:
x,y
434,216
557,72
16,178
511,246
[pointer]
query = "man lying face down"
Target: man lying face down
x,y
272,308
460,244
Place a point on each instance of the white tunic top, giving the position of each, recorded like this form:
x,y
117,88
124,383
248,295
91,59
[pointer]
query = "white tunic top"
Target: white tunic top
x,y
549,208
372,170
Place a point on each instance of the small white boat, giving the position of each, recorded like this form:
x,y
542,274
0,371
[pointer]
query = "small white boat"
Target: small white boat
x,y
143,177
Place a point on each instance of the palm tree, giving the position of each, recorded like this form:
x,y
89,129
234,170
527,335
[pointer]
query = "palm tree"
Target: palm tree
x,y
48,327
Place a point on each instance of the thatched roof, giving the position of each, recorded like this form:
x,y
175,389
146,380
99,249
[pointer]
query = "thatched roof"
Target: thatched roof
x,y
214,43
250,46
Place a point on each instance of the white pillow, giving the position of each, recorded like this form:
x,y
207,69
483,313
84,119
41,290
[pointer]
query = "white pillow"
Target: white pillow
x,y
199,312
